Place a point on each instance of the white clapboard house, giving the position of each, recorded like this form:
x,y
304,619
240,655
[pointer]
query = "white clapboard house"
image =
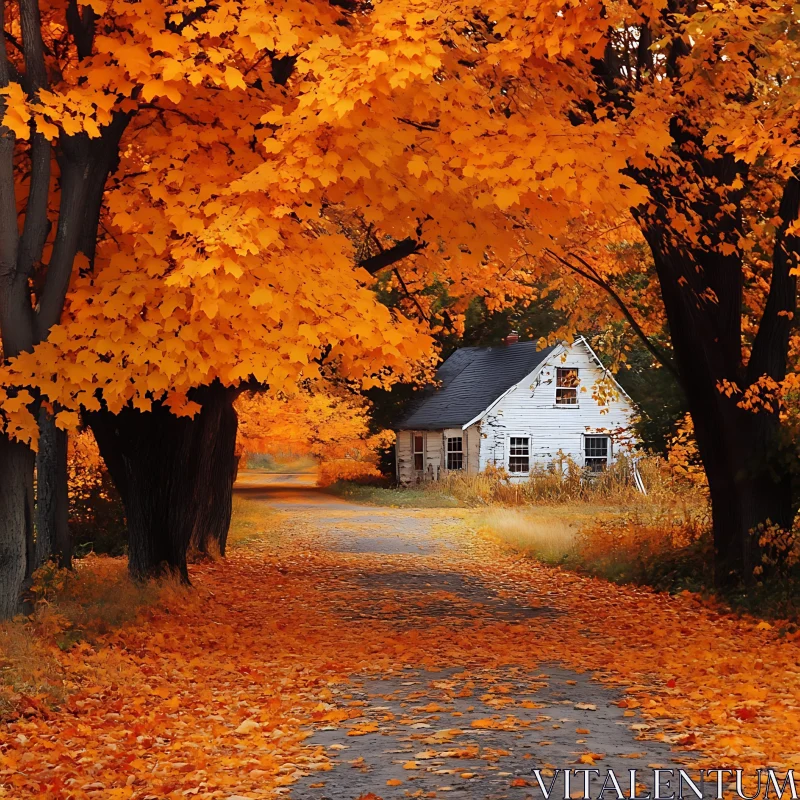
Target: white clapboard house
x,y
517,407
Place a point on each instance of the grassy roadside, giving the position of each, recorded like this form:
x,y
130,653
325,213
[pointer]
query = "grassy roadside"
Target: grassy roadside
x,y
252,520
81,608
367,494
665,548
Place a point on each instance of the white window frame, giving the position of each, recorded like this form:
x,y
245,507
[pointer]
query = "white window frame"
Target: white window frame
x,y
609,450
509,455
415,452
448,452
575,388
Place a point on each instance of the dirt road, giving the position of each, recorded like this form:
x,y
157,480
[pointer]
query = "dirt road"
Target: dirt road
x,y
342,651
473,729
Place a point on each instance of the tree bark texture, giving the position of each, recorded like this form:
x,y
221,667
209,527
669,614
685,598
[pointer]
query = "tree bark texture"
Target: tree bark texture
x,y
52,494
217,467
16,523
175,476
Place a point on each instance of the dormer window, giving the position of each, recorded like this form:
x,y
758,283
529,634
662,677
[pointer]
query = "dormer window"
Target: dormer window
x,y
566,386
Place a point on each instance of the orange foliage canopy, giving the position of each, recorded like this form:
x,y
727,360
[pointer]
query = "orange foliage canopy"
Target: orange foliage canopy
x,y
270,149
333,429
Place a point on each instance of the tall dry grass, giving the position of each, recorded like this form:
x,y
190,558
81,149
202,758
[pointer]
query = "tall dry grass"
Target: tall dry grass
x,y
601,524
30,672
569,483
253,520
659,546
543,533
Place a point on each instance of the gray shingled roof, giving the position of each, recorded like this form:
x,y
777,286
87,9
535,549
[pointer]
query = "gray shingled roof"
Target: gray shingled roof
x,y
472,379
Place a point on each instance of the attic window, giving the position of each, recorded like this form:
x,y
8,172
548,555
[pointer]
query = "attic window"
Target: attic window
x,y
419,452
519,459
566,386
455,452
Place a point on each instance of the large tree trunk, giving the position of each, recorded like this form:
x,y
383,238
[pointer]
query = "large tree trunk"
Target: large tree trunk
x,y
749,478
175,476
84,167
215,449
52,497
147,455
745,453
16,523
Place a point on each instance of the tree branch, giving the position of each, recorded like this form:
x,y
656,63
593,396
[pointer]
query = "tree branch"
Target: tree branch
x,y
36,221
387,258
770,347
11,39
433,125
81,25
409,295
15,316
85,167
104,154
589,273
75,170
282,68
190,17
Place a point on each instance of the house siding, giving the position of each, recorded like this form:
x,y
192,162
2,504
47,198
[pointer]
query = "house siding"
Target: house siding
x,y
435,453
404,460
404,456
530,410
472,448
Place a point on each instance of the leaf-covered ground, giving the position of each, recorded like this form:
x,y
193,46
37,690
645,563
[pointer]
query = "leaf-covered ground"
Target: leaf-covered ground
x,y
344,650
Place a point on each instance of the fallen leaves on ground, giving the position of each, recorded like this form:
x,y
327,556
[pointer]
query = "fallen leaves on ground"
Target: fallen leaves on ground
x,y
214,693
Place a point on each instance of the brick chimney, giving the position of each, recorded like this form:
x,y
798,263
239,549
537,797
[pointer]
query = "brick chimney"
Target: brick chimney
x,y
512,338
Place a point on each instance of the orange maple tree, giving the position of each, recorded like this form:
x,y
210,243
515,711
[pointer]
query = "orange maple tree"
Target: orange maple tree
x,y
197,282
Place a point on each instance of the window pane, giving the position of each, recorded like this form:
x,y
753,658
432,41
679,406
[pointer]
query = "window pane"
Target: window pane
x,y
596,450
518,446
455,452
566,386
597,446
419,453
518,454
566,377
566,397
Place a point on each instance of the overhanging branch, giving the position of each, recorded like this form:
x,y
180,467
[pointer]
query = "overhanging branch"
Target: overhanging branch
x,y
587,271
390,256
